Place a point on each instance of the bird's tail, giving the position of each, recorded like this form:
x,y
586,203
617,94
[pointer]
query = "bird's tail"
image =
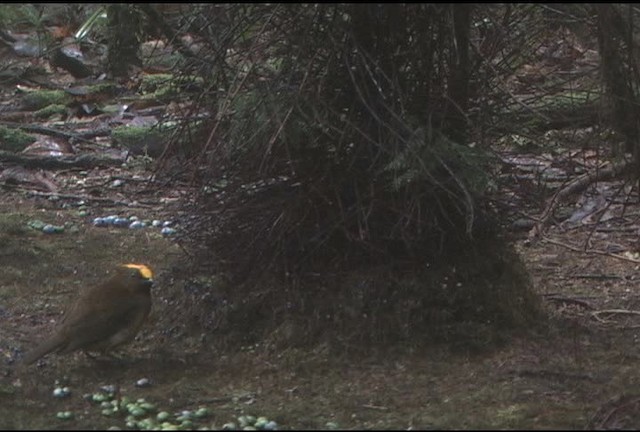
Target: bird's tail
x,y
43,349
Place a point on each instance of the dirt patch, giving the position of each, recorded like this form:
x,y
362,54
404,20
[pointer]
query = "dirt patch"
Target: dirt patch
x,y
577,374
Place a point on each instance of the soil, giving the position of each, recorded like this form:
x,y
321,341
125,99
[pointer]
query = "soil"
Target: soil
x,y
580,374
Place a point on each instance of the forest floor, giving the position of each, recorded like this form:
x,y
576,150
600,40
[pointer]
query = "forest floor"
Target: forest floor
x,y
582,373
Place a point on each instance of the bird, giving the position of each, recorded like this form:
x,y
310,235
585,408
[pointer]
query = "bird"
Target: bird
x,y
103,317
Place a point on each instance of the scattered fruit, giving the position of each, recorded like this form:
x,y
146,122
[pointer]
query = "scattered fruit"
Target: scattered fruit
x,y
143,382
61,392
167,231
64,415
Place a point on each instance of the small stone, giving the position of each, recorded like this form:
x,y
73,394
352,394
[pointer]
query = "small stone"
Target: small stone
x,y
185,415
52,229
61,392
167,223
271,425
167,231
156,223
120,222
136,224
143,382
36,224
117,183
64,415
111,389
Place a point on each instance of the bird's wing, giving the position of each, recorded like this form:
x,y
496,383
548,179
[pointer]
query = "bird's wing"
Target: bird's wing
x,y
92,327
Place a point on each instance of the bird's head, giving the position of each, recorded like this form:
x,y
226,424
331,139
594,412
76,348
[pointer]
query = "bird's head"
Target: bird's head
x,y
140,273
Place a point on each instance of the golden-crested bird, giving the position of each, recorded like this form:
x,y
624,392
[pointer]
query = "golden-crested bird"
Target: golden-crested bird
x,y
103,317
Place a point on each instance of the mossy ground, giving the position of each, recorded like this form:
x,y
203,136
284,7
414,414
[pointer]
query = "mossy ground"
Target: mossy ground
x,y
555,380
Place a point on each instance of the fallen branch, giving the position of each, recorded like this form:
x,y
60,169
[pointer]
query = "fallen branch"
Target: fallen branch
x,y
597,276
592,251
375,407
56,162
577,185
88,198
43,130
225,399
607,413
615,312
570,300
552,374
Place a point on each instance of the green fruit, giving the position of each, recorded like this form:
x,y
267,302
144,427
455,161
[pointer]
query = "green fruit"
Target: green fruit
x,y
163,416
99,397
261,422
137,412
148,406
202,412
64,415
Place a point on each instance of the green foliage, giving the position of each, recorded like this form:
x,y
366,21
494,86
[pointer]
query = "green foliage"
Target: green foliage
x,y
27,15
429,158
149,140
50,110
97,20
42,98
253,123
14,139
151,82
167,86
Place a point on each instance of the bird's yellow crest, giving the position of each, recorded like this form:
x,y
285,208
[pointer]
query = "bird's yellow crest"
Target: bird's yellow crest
x,y
143,269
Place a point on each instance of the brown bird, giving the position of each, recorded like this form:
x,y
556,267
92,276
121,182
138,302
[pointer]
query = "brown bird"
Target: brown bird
x,y
105,316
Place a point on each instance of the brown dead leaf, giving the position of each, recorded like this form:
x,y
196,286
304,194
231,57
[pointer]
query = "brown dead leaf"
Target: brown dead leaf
x,y
34,179
48,146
